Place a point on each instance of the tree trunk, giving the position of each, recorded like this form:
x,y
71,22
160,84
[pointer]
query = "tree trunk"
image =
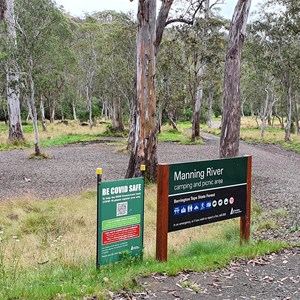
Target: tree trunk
x,y
4,108
161,22
264,115
42,110
131,137
74,110
170,117
230,134
89,100
117,114
200,77
2,10
12,76
210,107
32,105
196,112
53,110
297,118
287,137
145,145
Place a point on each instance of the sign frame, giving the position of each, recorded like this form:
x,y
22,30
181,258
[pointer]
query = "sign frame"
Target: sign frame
x,y
163,209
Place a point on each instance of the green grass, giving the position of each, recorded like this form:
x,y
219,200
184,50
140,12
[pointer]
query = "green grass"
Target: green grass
x,y
171,135
26,128
293,145
250,133
3,128
180,136
69,139
81,279
47,249
55,141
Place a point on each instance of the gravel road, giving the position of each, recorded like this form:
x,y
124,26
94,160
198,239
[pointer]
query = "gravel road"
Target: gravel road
x,y
276,188
276,179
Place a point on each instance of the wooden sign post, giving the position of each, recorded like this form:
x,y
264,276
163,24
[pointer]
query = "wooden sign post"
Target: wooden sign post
x,y
203,192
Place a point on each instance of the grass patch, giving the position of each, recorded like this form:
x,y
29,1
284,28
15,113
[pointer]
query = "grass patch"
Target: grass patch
x,y
294,145
251,133
57,134
47,249
8,145
69,139
170,135
111,132
3,127
180,136
42,155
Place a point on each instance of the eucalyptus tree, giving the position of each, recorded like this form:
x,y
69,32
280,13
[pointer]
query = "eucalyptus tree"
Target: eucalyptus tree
x,y
149,36
172,91
54,70
39,24
7,14
231,116
279,32
88,49
119,65
260,84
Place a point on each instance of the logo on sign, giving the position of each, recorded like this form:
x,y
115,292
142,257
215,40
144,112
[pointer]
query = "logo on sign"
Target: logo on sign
x,y
208,204
196,207
176,211
202,207
235,211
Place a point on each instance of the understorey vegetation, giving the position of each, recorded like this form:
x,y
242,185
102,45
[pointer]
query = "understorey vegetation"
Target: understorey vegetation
x,y
47,249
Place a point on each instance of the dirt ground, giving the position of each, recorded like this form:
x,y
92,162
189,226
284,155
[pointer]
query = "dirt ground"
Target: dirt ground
x,y
276,188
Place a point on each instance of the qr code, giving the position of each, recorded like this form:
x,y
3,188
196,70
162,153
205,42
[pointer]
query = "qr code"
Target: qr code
x,y
122,209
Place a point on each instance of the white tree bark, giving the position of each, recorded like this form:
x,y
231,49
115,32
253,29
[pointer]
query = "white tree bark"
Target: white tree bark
x,y
74,110
287,136
200,76
32,104
264,114
42,110
12,76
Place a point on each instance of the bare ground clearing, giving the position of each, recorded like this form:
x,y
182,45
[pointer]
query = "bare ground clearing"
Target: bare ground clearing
x,y
276,187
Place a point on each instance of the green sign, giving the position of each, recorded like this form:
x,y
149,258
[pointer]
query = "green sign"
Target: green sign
x,y
207,175
206,191
120,219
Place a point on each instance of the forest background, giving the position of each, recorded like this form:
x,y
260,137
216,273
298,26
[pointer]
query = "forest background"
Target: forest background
x,y
84,68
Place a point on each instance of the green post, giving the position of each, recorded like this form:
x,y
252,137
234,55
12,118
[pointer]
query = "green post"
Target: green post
x,y
143,170
99,179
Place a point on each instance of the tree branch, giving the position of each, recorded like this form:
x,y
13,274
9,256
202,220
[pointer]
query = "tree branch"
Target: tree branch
x,y
179,20
161,22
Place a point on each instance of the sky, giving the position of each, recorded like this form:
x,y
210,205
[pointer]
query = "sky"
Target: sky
x,y
78,7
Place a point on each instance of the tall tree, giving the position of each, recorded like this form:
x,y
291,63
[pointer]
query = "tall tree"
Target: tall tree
x,y
144,149
149,36
39,24
12,74
231,117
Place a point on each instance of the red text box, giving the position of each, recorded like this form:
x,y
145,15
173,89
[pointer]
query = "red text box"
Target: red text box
x,y
120,234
